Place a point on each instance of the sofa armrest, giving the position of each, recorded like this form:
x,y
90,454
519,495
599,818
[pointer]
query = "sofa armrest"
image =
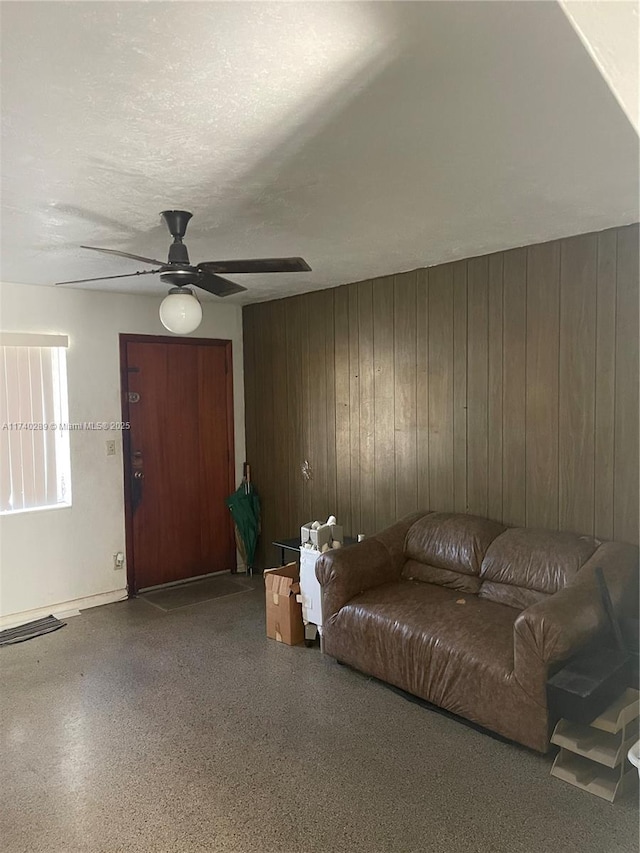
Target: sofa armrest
x,y
346,572
555,629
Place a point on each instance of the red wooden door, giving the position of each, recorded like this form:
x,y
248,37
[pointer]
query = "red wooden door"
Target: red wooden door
x,y
178,458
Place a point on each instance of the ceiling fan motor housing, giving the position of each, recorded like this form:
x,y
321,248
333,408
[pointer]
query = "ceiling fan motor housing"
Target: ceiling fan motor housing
x,y
178,253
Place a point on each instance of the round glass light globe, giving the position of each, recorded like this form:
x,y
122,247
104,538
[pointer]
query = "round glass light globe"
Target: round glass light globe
x,y
180,313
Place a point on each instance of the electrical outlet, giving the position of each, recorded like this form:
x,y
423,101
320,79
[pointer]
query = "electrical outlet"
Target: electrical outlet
x,y
111,447
118,560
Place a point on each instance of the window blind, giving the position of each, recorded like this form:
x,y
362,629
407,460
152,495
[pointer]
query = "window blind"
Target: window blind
x,y
34,445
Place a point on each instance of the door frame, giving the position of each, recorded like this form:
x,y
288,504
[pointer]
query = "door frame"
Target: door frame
x,y
125,339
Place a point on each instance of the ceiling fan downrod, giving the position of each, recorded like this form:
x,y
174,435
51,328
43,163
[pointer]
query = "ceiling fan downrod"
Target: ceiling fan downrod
x,y
177,221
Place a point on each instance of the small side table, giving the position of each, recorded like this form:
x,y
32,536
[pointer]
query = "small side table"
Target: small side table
x,y
294,545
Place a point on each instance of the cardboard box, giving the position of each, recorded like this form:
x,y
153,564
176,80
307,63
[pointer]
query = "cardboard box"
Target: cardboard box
x,y
284,612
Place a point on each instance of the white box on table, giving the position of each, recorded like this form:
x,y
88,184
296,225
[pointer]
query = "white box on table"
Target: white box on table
x,y
337,533
318,536
310,589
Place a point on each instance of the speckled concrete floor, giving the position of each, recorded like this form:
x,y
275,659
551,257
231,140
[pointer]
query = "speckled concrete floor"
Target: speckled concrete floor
x,y
137,730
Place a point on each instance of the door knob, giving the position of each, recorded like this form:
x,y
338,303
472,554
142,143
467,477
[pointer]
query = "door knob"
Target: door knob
x,y
139,475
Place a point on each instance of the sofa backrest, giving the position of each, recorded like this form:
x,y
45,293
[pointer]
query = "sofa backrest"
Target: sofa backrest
x,y
448,549
515,566
522,565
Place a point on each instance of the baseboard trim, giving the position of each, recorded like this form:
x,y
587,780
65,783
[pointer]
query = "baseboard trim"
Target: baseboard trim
x,y
63,609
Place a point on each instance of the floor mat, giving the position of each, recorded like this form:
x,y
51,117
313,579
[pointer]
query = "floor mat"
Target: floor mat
x,y
195,592
30,630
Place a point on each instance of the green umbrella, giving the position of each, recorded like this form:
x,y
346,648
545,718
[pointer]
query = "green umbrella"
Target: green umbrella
x,y
244,504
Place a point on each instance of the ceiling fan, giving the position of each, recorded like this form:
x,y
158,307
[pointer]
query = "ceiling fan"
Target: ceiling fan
x,y
179,272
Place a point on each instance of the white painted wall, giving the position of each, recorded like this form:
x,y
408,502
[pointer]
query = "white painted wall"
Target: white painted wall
x,y
55,556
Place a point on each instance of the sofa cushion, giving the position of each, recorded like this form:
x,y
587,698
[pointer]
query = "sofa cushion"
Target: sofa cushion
x,y
540,560
512,596
452,541
421,638
424,629
416,571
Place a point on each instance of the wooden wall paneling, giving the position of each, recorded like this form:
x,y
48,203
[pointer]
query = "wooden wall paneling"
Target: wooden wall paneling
x,y
605,384
422,387
248,345
504,386
280,447
354,404
441,387
315,330
273,399
577,377
330,412
343,402
251,332
543,297
367,409
261,470
460,386
305,408
478,385
514,387
404,407
293,436
625,487
495,387
385,488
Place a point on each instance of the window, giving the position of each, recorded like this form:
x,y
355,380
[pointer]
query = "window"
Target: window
x,y
34,441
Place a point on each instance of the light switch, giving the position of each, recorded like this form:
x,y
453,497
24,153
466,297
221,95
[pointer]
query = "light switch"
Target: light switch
x,y
111,447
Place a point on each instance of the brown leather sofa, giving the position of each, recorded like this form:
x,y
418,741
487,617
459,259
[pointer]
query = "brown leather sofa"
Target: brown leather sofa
x,y
470,615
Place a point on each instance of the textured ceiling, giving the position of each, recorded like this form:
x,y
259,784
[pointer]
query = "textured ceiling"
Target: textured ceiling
x,y
367,137
610,31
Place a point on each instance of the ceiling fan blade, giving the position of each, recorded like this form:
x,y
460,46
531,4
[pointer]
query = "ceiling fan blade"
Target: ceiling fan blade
x,y
257,265
106,277
217,285
126,255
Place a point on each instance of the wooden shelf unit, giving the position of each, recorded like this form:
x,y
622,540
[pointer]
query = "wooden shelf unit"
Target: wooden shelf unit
x,y
593,757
